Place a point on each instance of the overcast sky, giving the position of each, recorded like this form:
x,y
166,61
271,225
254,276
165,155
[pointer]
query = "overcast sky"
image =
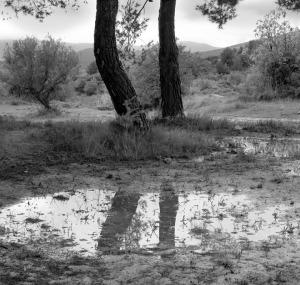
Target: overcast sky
x,y
78,26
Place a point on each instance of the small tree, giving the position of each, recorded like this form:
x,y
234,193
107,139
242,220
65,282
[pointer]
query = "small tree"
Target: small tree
x,y
277,58
37,69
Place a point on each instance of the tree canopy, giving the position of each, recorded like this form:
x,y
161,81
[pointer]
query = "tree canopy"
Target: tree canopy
x,y
39,8
221,11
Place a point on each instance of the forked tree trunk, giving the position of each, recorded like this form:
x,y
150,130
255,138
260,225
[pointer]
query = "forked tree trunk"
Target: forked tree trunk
x,y
120,89
168,61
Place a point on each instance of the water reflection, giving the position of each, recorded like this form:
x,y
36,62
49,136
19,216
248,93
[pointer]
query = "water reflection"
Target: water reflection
x,y
281,148
118,220
104,221
168,206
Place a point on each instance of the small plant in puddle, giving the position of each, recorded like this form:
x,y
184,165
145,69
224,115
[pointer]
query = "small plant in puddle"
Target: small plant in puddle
x,y
222,202
33,220
224,260
266,247
289,229
200,231
275,215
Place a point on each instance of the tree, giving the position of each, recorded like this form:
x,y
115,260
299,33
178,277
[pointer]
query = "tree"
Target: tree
x,y
146,77
168,61
293,5
119,86
221,11
277,58
38,69
121,91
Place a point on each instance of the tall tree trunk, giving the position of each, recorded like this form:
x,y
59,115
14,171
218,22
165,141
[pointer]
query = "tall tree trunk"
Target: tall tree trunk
x,y
110,67
168,61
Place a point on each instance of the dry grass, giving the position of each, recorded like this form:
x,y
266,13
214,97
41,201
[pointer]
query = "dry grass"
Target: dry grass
x,y
112,140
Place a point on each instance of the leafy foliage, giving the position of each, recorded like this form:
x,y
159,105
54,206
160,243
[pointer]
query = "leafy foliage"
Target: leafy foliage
x,y
92,68
219,11
37,69
145,73
39,8
277,60
129,28
289,4
233,60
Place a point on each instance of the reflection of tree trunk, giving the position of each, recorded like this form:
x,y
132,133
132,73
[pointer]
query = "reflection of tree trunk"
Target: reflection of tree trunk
x,y
112,72
119,218
168,204
168,61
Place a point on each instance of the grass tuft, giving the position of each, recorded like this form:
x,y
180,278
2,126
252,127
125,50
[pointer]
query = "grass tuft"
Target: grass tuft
x,y
10,124
112,140
196,123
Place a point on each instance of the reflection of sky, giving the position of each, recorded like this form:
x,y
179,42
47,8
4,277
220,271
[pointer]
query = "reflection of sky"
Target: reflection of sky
x,y
202,221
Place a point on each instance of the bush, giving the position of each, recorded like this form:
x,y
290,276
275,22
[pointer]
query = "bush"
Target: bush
x,y
80,85
92,68
277,59
63,92
90,88
145,75
202,84
253,85
37,69
222,68
235,78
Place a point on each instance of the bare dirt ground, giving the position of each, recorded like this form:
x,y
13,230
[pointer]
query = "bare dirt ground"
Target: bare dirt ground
x,y
265,181
230,107
262,179
84,108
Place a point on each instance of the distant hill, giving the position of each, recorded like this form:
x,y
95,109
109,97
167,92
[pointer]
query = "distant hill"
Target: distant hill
x,y
80,46
217,52
86,56
197,47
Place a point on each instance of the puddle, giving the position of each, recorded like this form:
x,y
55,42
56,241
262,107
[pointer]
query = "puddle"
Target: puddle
x,y
96,220
281,148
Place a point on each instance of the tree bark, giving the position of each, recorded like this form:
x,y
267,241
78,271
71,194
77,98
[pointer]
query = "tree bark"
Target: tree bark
x,y
121,91
168,61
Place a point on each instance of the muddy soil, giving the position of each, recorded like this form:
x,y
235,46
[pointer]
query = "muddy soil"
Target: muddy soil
x,y
228,218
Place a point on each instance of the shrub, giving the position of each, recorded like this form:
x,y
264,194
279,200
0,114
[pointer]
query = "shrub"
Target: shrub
x,y
92,68
146,76
90,88
235,78
277,59
202,84
79,85
36,69
222,68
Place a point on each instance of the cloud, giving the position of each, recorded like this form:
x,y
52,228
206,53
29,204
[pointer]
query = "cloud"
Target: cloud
x,y
78,26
